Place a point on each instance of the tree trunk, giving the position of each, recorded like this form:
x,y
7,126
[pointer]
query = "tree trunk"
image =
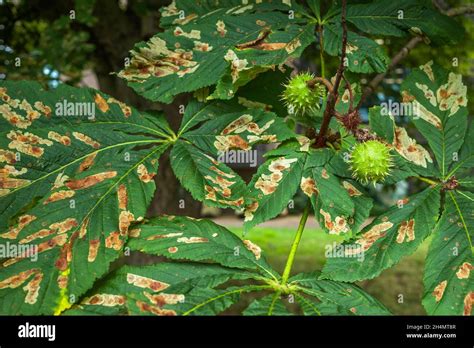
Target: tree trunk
x,y
114,34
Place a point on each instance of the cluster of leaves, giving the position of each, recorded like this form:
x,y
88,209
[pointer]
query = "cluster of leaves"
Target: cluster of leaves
x,y
77,188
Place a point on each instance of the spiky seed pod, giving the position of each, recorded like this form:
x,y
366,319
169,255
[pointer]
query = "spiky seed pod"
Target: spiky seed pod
x,y
371,161
301,99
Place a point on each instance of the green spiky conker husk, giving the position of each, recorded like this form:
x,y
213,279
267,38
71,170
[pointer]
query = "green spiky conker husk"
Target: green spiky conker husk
x,y
298,96
371,161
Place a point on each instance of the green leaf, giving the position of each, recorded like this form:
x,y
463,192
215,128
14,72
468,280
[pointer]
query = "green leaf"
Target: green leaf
x,y
207,179
363,54
410,158
345,298
239,130
391,236
382,124
267,305
397,18
274,184
440,99
467,182
448,282
466,153
162,289
215,44
183,238
70,188
315,6
265,92
339,204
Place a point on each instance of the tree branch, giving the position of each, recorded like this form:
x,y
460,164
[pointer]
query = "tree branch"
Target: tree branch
x,y
405,50
332,97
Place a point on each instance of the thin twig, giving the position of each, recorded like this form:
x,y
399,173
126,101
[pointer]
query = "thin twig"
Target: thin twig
x,y
332,98
394,62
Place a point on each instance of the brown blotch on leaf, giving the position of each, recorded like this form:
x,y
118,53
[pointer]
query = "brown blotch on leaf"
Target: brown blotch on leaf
x,y
16,280
407,228
64,226
192,240
86,139
32,288
113,241
145,307
438,291
125,219
122,197
163,299
468,300
254,248
89,181
87,163
308,186
172,250
163,236
23,221
101,103
464,271
59,195
107,300
351,189
93,249
143,174
144,282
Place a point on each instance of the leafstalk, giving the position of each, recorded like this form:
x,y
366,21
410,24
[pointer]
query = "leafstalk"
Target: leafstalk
x,y
294,246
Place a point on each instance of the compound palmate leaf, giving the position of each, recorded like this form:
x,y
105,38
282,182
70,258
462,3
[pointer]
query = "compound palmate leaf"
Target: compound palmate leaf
x,y
276,182
164,289
439,103
409,157
217,133
396,233
267,305
396,18
339,203
335,297
207,179
198,240
214,256
363,54
77,169
449,285
237,128
207,43
203,283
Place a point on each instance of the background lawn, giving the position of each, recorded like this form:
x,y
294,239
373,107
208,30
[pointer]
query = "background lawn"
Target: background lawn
x,y
405,278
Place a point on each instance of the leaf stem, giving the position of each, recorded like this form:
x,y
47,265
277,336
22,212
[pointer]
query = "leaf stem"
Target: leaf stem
x,y
428,181
294,246
321,49
272,305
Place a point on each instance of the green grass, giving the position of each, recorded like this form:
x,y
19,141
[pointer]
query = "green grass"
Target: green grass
x,y
403,279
